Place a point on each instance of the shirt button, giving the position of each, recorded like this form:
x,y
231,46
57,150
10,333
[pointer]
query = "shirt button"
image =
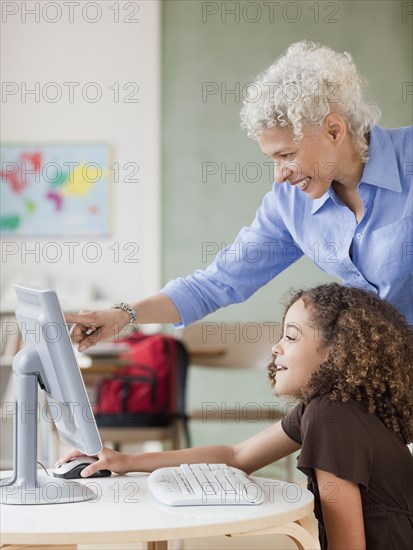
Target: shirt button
x,y
358,235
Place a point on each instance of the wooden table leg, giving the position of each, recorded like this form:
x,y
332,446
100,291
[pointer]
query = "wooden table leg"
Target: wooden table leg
x,y
300,532
157,545
310,525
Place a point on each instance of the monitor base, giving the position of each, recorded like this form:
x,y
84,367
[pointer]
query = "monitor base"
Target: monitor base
x,y
48,490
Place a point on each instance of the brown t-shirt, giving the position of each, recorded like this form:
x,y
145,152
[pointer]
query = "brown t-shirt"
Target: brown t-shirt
x,y
353,444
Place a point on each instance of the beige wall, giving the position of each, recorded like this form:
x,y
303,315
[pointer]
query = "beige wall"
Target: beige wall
x,y
110,46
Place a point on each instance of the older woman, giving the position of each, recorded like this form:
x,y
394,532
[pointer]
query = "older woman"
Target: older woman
x,y
342,196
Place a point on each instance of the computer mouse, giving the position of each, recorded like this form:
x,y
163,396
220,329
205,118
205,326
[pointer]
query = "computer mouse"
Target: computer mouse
x,y
72,469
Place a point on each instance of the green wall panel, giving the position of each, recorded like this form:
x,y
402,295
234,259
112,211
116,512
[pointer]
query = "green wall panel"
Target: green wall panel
x,y
217,44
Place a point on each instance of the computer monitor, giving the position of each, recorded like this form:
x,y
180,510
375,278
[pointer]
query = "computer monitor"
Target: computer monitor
x,y
47,360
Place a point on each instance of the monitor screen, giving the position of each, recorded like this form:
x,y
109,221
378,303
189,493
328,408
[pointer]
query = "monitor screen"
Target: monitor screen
x,y
47,360
42,324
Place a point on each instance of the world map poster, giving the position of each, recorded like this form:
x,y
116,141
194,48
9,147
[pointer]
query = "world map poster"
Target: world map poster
x,y
55,190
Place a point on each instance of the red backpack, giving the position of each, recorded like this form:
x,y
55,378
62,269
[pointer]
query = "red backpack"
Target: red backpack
x,y
148,392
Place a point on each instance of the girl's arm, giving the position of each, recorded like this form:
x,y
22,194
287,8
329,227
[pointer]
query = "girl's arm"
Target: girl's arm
x,y
263,448
250,455
342,512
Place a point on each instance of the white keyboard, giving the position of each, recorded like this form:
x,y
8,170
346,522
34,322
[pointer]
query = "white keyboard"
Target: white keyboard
x,y
203,485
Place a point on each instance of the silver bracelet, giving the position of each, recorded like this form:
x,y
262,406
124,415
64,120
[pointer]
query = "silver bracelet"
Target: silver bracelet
x,y
129,310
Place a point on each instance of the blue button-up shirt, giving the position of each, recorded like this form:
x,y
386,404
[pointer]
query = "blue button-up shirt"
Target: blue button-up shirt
x,y
375,254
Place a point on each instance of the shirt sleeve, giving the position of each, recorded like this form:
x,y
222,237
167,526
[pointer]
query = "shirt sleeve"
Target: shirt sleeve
x,y
291,423
258,254
334,440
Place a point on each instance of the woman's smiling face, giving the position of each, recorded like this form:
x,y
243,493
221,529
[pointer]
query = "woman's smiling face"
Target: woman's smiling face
x,y
311,163
298,354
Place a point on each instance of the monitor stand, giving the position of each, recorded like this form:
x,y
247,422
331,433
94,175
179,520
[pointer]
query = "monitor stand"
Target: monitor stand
x,y
26,486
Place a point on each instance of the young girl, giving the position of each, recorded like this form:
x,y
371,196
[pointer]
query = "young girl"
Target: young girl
x,y
347,356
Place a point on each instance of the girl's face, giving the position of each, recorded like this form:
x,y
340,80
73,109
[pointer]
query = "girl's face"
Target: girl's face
x,y
312,163
298,354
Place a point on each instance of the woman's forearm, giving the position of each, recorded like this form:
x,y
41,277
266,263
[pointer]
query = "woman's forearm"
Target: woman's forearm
x,y
95,326
158,308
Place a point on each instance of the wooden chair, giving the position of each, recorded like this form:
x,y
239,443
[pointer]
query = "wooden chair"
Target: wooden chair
x,y
242,346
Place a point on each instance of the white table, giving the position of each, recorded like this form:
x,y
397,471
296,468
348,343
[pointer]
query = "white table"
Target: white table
x,y
125,512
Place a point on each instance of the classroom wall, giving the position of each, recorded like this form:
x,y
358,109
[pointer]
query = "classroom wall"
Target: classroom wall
x,y
112,47
210,51
213,175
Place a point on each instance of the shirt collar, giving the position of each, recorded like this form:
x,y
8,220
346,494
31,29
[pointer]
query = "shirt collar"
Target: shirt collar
x,y
381,170
318,203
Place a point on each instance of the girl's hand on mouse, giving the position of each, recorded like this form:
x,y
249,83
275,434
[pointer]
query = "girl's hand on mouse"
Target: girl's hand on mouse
x,y
108,459
74,453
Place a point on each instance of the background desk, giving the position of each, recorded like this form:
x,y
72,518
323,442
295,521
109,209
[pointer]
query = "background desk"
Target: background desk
x,y
125,512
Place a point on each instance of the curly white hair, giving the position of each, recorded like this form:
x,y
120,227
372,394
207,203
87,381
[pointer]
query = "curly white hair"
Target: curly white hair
x,y
306,83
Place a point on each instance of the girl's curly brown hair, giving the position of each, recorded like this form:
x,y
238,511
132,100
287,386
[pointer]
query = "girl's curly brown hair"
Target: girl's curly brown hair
x,y
370,356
